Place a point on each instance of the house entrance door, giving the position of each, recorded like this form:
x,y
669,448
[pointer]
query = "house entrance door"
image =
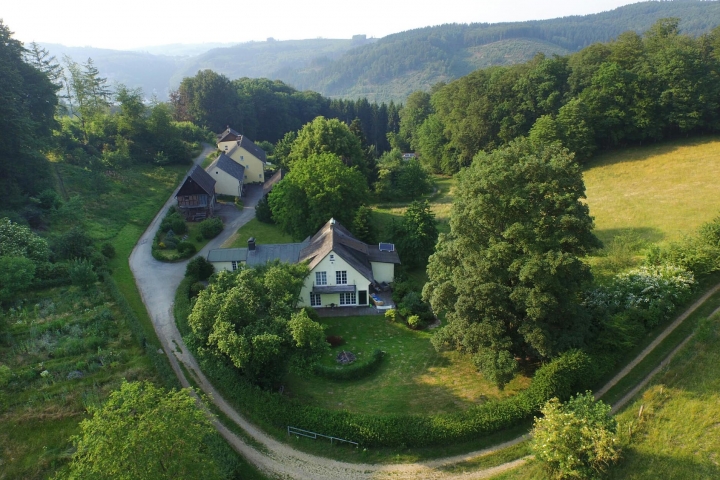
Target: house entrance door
x,y
362,297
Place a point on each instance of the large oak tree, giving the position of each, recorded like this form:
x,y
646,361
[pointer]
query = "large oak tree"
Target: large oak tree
x,y
509,272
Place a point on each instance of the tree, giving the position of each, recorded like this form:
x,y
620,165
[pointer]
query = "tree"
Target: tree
x,y
324,135
318,187
19,241
199,268
576,439
144,432
362,227
248,317
509,274
416,235
16,275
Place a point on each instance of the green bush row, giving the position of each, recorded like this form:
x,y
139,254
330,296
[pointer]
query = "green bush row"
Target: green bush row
x,y
353,371
161,364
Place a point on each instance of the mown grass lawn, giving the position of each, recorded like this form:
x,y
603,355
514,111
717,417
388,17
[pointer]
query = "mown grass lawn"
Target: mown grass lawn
x,y
264,233
659,192
413,378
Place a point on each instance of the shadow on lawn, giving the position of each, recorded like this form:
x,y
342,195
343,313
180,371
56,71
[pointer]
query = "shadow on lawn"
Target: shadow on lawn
x,y
643,152
647,234
646,465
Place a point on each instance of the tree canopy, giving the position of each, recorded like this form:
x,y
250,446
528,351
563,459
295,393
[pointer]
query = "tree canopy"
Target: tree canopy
x,y
509,274
318,187
144,432
248,317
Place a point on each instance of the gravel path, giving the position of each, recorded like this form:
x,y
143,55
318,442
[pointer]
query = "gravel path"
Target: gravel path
x,y
157,283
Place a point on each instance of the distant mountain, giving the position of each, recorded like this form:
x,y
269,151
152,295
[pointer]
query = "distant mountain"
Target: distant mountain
x,y
394,66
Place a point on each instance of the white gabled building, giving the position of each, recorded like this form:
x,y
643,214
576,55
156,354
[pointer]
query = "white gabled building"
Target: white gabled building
x,y
342,268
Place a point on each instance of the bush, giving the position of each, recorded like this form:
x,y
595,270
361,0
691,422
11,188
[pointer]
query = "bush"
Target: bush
x,y
353,371
414,322
108,250
174,222
196,288
312,314
334,340
263,212
199,268
577,439
82,274
186,249
74,243
16,274
211,227
391,315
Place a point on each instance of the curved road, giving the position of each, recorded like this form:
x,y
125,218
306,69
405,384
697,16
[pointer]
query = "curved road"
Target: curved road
x,y
157,283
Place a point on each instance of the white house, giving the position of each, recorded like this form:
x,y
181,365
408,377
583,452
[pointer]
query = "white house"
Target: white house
x,y
228,175
342,268
244,152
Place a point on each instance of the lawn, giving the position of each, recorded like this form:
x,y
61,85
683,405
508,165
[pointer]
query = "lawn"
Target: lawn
x,y
264,233
413,378
659,192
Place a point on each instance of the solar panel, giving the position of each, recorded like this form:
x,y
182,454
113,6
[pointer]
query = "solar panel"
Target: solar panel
x,y
387,247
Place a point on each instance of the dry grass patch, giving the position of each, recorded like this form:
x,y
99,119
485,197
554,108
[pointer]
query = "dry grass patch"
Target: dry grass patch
x,y
660,192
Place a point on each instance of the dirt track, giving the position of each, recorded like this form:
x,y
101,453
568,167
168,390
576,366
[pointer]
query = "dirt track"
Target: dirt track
x,y
157,283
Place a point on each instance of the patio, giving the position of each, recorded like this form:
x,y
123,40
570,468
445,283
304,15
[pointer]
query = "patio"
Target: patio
x,y
337,311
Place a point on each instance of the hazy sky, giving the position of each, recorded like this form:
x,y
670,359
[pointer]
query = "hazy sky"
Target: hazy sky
x,y
130,24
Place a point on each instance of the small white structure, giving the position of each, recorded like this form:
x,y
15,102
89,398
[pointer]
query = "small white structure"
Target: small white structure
x,y
228,175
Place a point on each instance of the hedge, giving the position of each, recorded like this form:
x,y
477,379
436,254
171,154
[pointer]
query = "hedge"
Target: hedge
x,y
353,371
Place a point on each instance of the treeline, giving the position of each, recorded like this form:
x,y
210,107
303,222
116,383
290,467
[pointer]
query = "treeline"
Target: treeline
x,y
632,90
442,51
266,110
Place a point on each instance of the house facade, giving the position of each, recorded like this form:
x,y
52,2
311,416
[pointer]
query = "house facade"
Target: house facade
x,y
228,175
244,152
196,196
343,270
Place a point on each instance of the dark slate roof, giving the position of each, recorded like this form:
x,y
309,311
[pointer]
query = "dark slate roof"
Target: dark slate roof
x,y
203,179
285,252
228,134
379,256
248,145
227,255
229,166
333,237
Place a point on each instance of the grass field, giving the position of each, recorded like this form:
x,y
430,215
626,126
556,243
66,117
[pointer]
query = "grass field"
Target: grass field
x,y
264,234
660,192
413,376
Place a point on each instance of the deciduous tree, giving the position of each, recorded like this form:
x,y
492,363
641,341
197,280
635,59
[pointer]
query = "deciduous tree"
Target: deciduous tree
x,y
509,273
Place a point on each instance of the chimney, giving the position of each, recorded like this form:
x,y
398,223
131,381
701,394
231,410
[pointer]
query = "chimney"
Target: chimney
x,y
251,244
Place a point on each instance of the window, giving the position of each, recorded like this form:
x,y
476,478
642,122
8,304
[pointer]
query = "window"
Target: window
x,y
332,257
259,175
315,300
320,278
242,157
347,298
234,265
341,277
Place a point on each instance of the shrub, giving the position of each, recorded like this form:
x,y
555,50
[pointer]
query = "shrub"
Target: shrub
x,y
108,250
211,227
414,322
16,274
391,315
196,288
5,375
174,222
74,243
353,371
199,268
577,439
334,340
263,212
312,314
186,249
82,273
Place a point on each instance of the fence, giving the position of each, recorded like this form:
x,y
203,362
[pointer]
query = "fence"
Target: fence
x,y
314,435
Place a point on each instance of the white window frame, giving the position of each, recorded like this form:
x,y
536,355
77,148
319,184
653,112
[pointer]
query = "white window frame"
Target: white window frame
x,y
320,278
315,300
234,265
348,298
341,277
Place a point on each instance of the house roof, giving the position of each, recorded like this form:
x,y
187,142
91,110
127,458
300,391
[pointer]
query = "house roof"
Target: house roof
x,y
253,149
333,237
227,255
229,166
202,178
228,135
